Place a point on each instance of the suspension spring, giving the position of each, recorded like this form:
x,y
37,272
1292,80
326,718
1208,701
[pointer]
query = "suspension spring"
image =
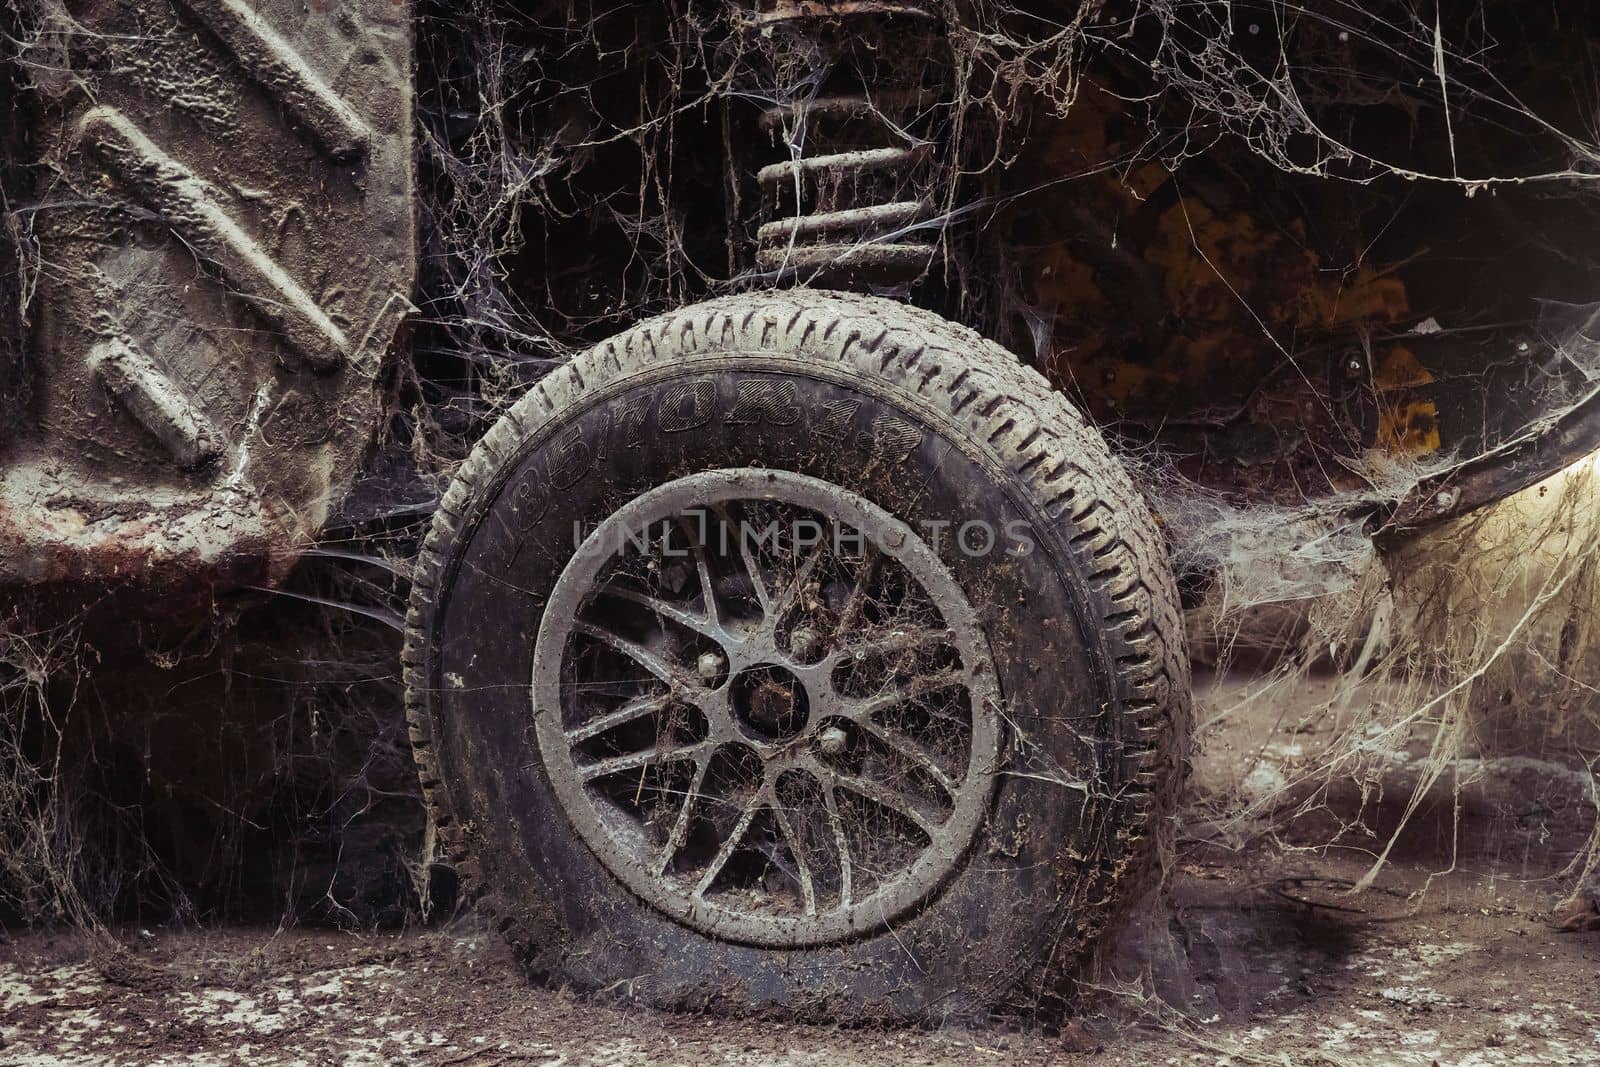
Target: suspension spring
x,y
856,200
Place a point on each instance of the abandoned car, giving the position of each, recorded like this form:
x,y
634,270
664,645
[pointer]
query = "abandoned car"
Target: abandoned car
x,y
800,628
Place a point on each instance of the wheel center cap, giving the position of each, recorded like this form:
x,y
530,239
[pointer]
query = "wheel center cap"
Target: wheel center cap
x,y
770,703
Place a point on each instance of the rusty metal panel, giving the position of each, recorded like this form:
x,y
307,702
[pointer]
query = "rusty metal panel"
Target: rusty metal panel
x,y
224,251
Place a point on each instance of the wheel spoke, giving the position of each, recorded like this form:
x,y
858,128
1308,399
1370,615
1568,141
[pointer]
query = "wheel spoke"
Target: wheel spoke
x,y
702,566
894,641
841,842
802,575
904,747
664,609
752,569
856,602
808,888
629,712
888,799
725,853
680,825
864,708
635,761
638,653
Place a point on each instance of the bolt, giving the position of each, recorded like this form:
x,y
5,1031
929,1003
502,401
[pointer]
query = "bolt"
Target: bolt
x,y
710,665
832,740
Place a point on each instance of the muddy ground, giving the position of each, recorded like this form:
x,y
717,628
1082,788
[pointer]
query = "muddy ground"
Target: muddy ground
x,y
1269,959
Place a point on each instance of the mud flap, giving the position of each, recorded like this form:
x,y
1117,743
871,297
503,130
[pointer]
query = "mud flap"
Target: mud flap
x,y
223,253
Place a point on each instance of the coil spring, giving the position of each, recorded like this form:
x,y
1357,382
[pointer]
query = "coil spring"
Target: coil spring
x,y
849,204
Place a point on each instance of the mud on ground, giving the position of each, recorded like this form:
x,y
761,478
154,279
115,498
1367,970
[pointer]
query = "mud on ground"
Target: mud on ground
x,y
1269,958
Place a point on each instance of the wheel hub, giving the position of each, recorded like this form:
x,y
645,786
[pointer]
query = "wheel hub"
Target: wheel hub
x,y
767,707
770,703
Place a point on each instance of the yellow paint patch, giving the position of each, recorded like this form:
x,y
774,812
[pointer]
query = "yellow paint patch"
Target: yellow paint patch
x,y
1409,428
1399,368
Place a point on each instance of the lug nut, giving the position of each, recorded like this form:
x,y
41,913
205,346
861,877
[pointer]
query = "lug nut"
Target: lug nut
x,y
710,665
832,740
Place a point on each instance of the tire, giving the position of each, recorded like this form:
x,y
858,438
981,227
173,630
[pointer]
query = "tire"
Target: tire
x,y
989,737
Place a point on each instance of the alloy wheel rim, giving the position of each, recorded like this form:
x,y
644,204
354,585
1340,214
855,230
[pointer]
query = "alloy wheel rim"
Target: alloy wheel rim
x,y
767,707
